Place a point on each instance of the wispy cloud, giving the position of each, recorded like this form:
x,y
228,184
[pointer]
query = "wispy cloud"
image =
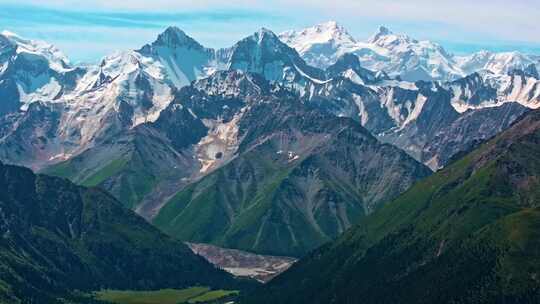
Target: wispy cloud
x,y
86,30
31,15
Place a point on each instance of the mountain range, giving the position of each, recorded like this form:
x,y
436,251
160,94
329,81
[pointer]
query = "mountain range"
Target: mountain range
x,y
175,125
395,171
398,54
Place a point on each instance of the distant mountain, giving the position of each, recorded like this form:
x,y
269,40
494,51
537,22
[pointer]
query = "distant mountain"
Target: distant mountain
x,y
263,53
467,234
125,90
496,63
395,54
59,238
32,71
114,126
134,161
322,44
398,54
430,120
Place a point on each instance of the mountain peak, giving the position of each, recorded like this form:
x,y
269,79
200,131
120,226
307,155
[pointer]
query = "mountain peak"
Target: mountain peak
x,y
330,25
174,30
348,65
173,36
326,31
11,41
8,34
383,31
265,33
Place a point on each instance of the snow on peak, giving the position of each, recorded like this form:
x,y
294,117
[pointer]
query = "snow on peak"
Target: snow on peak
x,y
174,37
325,33
329,24
57,60
388,39
497,63
7,33
331,29
383,31
320,45
264,34
396,54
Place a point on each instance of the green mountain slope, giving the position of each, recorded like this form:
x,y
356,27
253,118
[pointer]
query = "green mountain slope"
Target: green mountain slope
x,y
128,165
57,238
300,178
468,234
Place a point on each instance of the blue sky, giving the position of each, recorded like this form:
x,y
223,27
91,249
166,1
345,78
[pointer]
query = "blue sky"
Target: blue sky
x,y
89,30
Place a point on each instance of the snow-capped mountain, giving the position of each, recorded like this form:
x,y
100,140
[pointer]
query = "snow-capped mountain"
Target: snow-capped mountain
x,y
398,54
264,53
32,71
395,54
127,89
496,63
320,45
487,89
182,58
430,120
123,91
408,58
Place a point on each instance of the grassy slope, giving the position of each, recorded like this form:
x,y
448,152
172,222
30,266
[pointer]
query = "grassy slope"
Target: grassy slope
x,y
132,179
468,234
62,237
266,203
164,296
200,213
186,214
